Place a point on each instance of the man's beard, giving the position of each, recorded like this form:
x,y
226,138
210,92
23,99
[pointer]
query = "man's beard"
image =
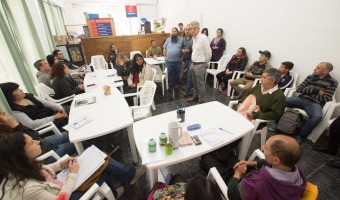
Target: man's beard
x,y
174,38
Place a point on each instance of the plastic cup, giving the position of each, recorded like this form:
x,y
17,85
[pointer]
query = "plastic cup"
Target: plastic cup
x,y
168,148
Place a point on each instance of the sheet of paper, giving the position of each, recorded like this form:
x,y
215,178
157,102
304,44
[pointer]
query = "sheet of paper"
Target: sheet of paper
x,y
215,136
148,157
89,161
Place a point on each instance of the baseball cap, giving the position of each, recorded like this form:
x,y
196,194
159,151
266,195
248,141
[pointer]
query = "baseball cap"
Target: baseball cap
x,y
266,53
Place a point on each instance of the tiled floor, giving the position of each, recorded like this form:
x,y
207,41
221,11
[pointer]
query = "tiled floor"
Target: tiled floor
x,y
313,163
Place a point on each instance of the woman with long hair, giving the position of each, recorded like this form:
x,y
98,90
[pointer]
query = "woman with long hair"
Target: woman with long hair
x,y
123,67
140,72
62,83
237,63
22,177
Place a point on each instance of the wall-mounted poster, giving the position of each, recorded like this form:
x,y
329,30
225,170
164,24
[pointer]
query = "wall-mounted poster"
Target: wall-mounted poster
x,y
131,10
101,27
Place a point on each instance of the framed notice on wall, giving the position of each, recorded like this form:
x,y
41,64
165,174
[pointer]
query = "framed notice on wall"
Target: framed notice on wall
x,y
101,27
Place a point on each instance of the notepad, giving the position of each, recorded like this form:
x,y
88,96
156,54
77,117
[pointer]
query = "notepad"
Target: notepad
x,y
216,135
89,161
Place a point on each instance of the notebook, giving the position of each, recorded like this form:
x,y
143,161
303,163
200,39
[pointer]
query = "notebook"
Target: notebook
x,y
85,101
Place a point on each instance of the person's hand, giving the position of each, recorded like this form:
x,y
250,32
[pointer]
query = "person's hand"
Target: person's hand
x,y
64,163
58,115
63,112
230,72
321,92
249,74
183,51
227,71
244,162
73,166
81,86
240,170
8,120
249,115
132,85
257,108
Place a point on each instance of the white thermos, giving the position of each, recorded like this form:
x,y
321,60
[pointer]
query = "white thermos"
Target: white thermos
x,y
175,132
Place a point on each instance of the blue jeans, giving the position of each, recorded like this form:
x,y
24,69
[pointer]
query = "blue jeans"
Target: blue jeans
x,y
174,69
189,81
64,146
313,110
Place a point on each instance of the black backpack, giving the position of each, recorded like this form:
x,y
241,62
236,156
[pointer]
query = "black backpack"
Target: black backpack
x,y
290,121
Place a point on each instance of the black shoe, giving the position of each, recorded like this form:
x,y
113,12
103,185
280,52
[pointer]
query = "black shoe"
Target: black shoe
x,y
334,163
326,150
186,94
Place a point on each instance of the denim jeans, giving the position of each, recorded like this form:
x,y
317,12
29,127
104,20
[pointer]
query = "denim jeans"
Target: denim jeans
x,y
174,69
189,81
313,110
64,146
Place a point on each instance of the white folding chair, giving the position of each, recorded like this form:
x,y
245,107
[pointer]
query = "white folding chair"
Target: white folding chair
x,y
132,53
236,75
327,113
145,95
47,93
96,192
49,126
98,62
221,65
292,85
154,71
162,78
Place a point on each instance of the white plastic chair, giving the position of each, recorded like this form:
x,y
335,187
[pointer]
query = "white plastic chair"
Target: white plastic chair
x,y
327,112
98,62
96,192
326,121
163,79
146,95
236,75
154,71
293,85
311,191
47,93
262,131
132,53
221,65
49,126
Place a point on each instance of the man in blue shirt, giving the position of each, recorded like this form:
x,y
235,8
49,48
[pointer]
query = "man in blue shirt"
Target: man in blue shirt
x,y
172,53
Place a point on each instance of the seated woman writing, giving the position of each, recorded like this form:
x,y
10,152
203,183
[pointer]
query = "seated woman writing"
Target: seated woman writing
x,y
22,177
33,111
123,66
62,83
140,72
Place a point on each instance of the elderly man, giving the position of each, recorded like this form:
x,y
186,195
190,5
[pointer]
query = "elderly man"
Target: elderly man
x,y
172,54
43,73
251,73
270,102
154,50
316,90
276,177
201,55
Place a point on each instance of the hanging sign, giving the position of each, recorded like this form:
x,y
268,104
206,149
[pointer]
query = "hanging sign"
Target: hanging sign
x,y
131,10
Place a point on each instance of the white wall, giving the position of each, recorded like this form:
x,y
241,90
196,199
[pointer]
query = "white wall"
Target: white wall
x,y
305,32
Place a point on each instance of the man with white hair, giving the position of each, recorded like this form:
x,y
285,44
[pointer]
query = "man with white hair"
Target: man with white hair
x,y
201,55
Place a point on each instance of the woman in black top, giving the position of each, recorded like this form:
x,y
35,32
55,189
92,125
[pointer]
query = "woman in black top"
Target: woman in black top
x,y
123,67
63,84
237,63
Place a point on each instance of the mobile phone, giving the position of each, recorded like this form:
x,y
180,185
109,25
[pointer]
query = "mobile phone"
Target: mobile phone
x,y
194,127
196,140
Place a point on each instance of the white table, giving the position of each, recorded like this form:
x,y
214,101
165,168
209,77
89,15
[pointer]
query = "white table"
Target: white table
x,y
157,61
209,115
110,113
95,80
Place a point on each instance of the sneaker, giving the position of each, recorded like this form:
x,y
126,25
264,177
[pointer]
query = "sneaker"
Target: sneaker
x,y
140,170
272,126
120,192
225,91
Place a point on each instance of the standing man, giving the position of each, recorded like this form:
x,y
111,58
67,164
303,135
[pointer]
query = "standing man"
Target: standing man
x,y
172,54
187,51
316,90
154,50
43,73
201,55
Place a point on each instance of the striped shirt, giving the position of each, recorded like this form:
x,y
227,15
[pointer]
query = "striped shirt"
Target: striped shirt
x,y
311,86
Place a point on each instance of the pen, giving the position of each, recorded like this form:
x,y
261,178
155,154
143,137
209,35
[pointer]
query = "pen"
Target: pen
x,y
79,121
225,131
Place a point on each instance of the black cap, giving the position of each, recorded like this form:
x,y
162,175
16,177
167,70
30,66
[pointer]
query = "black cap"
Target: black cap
x,y
266,53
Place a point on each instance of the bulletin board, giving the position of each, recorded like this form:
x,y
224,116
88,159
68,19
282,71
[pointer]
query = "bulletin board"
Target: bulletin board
x,y
100,27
